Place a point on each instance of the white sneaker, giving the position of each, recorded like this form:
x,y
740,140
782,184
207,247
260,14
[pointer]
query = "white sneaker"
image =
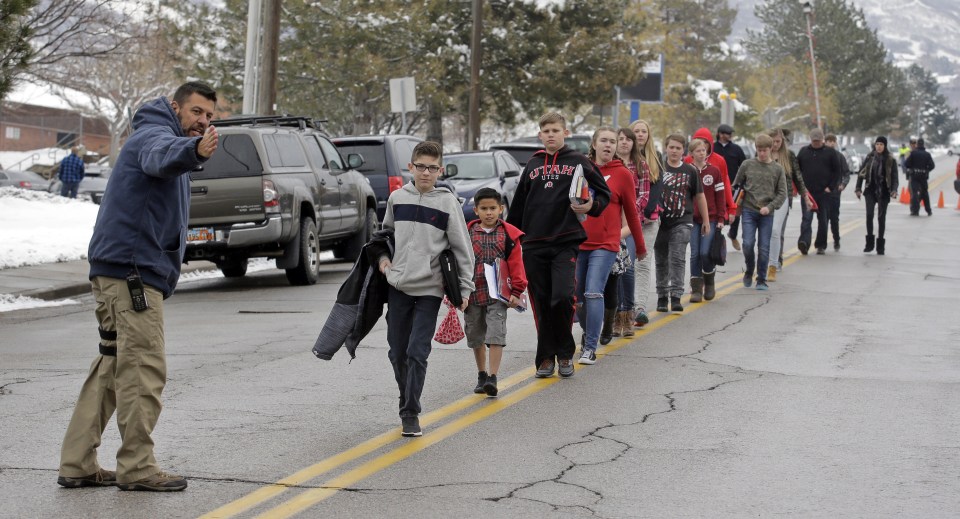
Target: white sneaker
x,y
588,357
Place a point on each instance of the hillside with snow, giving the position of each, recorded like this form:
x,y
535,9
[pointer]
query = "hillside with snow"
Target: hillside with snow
x,y
926,32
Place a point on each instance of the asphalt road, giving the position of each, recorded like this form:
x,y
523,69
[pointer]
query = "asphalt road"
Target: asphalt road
x,y
834,394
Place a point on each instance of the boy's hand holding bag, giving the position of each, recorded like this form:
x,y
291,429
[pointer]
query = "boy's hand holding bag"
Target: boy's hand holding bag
x,y
450,330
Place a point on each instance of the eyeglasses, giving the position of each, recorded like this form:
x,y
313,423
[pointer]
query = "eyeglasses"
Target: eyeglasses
x,y
424,167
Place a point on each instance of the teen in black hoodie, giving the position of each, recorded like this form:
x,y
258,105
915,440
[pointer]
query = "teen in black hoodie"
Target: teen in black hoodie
x,y
553,233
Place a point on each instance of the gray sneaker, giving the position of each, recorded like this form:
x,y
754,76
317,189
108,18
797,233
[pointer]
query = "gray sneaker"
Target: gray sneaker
x,y
159,482
566,368
100,478
546,369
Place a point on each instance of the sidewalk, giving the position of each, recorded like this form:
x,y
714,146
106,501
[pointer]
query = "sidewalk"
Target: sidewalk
x,y
59,280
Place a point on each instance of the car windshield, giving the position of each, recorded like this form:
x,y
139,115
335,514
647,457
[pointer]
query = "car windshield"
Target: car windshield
x,y
472,167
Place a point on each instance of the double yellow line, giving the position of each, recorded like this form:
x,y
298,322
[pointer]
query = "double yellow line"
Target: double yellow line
x,y
409,447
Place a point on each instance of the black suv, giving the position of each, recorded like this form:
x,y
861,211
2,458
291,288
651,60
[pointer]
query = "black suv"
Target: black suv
x,y
385,159
278,188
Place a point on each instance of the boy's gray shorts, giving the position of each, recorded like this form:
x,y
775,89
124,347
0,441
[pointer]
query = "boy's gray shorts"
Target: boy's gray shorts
x,y
485,324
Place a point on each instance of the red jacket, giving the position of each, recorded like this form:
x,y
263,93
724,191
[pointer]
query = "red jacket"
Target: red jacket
x,y
513,256
603,232
721,164
713,191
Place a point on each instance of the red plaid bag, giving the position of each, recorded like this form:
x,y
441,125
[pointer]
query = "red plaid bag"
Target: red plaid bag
x,y
450,330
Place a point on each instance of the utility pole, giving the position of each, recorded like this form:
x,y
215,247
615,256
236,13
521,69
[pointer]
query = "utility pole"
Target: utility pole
x,y
267,94
473,126
252,55
807,6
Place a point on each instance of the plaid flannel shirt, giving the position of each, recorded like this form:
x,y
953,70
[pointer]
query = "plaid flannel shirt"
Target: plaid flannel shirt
x,y
487,247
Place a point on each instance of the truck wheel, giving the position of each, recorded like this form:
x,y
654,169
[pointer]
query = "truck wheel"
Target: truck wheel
x,y
306,272
351,250
236,268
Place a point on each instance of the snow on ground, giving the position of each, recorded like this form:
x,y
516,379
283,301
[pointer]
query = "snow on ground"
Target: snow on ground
x,y
22,160
8,303
38,227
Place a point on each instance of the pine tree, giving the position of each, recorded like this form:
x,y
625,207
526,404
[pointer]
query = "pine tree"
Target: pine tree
x,y
15,49
928,113
868,88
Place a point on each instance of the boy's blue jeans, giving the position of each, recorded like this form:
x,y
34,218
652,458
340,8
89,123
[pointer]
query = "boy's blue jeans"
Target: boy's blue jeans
x,y
756,231
411,322
593,269
700,261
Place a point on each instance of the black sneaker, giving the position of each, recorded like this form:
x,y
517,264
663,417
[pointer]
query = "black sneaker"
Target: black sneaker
x,y
100,478
803,246
662,304
588,357
748,279
481,380
490,385
821,251
411,426
566,368
675,305
836,245
546,369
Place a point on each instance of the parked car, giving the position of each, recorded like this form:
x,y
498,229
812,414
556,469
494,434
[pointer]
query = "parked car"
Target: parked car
x,y
385,159
277,187
495,169
520,151
24,180
578,142
953,149
94,183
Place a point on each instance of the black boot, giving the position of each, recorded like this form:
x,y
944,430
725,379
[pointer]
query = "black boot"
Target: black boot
x,y
869,247
606,334
696,289
709,289
880,243
662,304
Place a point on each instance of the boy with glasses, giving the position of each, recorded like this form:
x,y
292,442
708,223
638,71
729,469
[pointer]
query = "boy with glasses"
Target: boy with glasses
x,y
425,221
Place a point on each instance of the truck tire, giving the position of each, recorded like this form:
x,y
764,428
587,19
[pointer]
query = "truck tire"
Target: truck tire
x,y
350,250
234,268
306,272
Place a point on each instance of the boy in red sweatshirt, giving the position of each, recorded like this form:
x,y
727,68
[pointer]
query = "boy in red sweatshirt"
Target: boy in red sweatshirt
x,y
485,319
702,268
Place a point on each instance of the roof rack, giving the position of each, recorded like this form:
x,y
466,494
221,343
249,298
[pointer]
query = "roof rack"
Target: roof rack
x,y
297,121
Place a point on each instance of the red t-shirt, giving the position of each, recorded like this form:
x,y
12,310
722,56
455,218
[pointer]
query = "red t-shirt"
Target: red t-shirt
x,y
603,232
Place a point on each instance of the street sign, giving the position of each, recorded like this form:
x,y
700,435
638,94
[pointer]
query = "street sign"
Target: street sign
x,y
650,88
403,95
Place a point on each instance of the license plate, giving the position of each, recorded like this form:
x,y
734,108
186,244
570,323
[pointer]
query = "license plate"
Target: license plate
x,y
200,235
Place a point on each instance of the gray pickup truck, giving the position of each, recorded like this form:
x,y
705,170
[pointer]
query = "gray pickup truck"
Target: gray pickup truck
x,y
278,188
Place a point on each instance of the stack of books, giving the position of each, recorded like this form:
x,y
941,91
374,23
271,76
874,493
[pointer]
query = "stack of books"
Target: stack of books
x,y
579,190
498,284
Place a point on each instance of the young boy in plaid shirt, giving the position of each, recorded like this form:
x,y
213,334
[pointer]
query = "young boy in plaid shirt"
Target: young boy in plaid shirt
x,y
485,319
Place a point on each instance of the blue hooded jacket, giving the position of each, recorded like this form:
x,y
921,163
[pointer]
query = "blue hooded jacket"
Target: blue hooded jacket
x,y
142,223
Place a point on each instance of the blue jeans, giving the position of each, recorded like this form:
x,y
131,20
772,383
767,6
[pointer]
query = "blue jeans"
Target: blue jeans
x,y
593,269
411,322
700,262
69,189
756,231
627,280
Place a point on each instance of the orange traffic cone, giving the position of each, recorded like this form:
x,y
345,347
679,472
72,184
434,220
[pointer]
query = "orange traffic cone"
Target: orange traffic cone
x,y
905,196
940,201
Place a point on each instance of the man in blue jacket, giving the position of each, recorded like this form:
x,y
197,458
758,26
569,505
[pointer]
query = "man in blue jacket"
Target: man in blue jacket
x,y
71,173
135,257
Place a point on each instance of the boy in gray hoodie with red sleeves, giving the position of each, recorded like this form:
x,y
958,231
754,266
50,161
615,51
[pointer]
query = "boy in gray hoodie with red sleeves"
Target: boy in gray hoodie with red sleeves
x,y
425,221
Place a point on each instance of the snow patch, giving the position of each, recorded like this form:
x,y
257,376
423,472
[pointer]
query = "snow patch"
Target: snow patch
x,y
38,227
9,303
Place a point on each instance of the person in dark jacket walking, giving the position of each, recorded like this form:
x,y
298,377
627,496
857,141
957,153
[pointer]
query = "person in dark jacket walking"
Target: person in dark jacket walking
x,y
831,141
551,222
135,257
821,171
71,173
917,168
878,183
